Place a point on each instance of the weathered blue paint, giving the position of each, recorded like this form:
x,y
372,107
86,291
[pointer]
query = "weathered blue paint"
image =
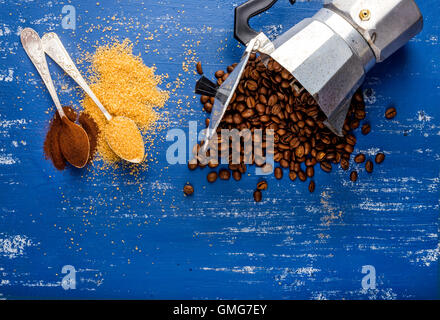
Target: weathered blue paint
x,y
219,243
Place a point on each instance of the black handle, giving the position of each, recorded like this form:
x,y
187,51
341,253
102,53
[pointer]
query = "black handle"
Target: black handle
x,y
242,31
206,87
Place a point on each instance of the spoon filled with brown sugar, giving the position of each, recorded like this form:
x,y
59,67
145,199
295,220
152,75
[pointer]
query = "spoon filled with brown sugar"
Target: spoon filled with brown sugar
x,y
121,133
74,142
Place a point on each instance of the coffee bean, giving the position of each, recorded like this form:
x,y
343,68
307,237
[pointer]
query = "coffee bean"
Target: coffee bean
x,y
354,124
349,148
262,185
351,140
247,113
212,177
366,129
312,186
299,152
354,176
360,158
321,156
358,97
390,113
325,166
360,114
213,164
345,164
380,157
188,190
369,166
278,173
204,99
284,163
302,175
224,174
219,74
292,175
258,196
237,118
199,68
310,172
192,166
272,100
208,107
236,175
251,85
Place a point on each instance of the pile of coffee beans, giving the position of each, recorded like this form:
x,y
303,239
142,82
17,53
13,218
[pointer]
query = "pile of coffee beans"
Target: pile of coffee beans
x,y
268,97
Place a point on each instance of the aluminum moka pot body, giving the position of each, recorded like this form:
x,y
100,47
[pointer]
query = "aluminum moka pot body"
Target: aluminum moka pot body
x,y
330,53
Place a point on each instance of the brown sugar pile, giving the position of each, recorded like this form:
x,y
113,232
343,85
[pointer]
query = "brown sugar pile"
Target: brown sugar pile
x,y
52,147
126,87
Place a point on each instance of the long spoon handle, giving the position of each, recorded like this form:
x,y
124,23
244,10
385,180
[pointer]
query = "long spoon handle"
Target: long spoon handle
x,y
55,49
34,49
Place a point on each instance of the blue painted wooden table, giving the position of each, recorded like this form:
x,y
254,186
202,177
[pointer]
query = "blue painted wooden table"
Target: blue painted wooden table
x,y
139,237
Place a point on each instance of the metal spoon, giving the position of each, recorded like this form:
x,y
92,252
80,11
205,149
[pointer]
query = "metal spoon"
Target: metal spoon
x,y
34,48
55,49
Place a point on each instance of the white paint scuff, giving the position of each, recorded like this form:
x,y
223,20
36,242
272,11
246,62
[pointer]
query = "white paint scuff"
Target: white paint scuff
x,y
7,75
14,246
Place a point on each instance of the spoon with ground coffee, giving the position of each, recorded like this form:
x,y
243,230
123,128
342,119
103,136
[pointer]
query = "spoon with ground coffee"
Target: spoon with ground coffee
x,y
74,142
121,133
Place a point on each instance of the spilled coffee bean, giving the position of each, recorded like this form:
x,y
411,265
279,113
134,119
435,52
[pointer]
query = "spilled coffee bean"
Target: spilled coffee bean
x,y
278,173
369,166
312,186
212,177
380,157
353,176
360,158
391,113
188,190
224,174
199,68
236,175
262,185
366,129
258,196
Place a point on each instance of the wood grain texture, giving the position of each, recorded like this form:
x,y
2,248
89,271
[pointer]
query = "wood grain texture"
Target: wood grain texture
x,y
139,237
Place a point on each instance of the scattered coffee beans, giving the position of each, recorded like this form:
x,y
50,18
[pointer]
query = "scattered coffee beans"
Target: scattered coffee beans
x,y
380,157
188,190
391,113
